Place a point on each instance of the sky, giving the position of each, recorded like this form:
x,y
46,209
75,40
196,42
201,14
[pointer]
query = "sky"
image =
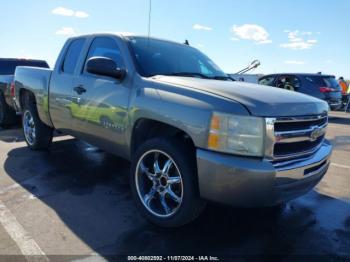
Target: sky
x,y
285,35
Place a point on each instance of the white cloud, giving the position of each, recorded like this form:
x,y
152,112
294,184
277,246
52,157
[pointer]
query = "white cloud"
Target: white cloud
x,y
294,62
63,11
297,41
66,31
202,27
251,32
69,12
306,33
312,41
81,14
329,61
297,45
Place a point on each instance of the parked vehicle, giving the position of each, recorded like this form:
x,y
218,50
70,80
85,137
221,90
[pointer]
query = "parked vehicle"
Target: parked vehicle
x,y
191,133
7,70
324,87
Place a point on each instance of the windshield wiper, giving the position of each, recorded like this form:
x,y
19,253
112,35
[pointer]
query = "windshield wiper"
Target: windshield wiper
x,y
188,74
222,78
195,74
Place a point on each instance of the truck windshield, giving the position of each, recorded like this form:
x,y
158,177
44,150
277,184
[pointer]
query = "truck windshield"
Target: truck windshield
x,y
8,66
160,57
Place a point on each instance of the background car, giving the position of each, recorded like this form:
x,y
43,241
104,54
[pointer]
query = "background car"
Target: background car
x,y
324,87
7,71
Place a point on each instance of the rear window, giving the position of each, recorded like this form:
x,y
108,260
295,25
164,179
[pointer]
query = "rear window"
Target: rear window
x,y
8,67
324,81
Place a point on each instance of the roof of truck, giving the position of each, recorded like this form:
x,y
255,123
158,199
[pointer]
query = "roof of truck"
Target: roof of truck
x,y
125,35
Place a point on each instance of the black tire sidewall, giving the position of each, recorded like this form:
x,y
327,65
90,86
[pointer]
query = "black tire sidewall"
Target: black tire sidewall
x,y
191,205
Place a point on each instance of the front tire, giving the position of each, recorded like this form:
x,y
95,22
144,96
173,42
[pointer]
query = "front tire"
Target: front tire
x,y
38,136
164,183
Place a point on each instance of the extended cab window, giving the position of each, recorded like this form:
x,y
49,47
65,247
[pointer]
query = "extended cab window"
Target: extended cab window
x,y
106,47
72,56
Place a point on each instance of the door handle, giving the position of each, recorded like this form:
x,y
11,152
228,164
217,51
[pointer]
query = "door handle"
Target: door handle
x,y
79,89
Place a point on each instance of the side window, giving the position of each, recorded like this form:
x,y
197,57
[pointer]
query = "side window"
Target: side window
x,y
106,47
72,56
204,69
288,82
267,81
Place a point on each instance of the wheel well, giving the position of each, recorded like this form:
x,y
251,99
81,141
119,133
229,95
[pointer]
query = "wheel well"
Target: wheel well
x,y
145,129
25,96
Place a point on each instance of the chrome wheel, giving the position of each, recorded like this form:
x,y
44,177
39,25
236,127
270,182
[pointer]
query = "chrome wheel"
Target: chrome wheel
x,y
159,183
29,127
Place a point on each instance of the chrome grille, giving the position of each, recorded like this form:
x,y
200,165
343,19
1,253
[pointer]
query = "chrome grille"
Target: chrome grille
x,y
288,138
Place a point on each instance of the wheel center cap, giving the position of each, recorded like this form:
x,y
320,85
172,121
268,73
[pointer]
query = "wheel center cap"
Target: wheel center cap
x,y
163,181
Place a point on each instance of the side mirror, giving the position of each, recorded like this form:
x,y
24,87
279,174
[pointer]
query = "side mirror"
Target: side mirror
x,y
104,66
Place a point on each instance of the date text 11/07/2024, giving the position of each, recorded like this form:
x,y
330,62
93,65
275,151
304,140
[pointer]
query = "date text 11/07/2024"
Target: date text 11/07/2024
x,y
173,258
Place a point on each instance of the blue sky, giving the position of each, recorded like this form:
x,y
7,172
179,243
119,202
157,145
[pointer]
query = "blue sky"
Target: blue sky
x,y
285,35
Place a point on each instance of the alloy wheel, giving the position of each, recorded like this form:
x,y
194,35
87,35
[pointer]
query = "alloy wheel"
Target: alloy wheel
x,y
29,127
159,183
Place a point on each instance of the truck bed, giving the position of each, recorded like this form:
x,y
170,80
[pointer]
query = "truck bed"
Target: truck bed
x,y
37,81
5,83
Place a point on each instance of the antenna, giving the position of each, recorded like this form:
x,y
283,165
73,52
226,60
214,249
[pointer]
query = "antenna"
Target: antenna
x,y
149,18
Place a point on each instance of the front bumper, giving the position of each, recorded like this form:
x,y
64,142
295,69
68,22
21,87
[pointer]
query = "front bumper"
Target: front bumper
x,y
242,181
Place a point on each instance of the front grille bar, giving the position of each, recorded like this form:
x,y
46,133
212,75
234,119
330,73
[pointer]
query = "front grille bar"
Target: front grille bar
x,y
310,134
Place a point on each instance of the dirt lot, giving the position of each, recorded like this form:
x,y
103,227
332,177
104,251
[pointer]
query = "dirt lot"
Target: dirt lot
x,y
75,201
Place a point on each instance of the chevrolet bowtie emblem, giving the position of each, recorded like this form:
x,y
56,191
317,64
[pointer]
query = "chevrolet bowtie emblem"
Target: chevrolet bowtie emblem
x,y
316,133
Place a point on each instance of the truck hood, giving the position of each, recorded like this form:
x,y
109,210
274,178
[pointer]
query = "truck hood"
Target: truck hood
x,y
258,99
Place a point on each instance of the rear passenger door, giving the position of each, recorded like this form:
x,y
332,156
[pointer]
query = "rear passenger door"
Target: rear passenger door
x,y
100,111
61,85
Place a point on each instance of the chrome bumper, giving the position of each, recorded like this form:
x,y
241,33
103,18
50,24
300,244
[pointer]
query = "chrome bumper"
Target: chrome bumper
x,y
242,181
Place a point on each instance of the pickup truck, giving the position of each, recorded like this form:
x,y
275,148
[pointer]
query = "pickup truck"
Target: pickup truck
x,y
191,133
7,71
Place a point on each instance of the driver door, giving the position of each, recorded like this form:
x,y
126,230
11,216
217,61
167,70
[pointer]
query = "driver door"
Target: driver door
x,y
100,109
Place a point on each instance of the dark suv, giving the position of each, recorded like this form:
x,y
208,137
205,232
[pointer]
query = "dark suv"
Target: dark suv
x,y
324,87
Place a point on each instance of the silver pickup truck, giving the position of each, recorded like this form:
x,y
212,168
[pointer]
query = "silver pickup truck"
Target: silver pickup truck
x,y
192,134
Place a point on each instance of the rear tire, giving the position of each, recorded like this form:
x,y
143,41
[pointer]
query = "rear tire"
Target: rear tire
x,y
7,114
37,135
166,198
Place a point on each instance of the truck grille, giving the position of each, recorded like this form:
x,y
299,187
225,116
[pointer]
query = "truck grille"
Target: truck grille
x,y
289,138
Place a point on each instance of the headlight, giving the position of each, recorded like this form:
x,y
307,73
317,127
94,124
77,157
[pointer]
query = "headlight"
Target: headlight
x,y
239,135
